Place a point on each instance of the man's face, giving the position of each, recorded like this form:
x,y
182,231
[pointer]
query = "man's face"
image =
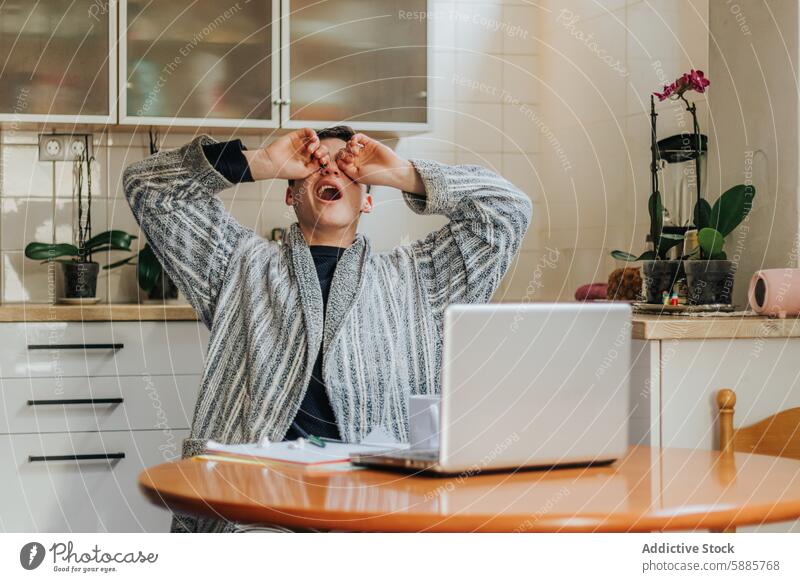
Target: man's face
x,y
328,199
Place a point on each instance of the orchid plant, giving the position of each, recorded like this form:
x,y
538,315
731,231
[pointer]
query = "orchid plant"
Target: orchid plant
x,y
662,242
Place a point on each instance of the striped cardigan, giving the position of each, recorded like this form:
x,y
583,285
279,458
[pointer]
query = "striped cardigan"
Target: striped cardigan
x,y
382,334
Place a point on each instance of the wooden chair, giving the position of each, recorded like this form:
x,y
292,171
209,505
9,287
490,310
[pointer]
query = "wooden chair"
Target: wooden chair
x,y
777,435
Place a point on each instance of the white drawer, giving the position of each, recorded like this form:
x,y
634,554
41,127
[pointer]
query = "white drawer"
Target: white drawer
x,y
32,405
56,349
82,495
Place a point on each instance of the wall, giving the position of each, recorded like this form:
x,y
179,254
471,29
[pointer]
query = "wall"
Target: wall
x,y
552,95
600,63
754,115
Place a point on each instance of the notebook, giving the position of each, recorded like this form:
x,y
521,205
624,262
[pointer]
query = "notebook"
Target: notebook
x,y
290,452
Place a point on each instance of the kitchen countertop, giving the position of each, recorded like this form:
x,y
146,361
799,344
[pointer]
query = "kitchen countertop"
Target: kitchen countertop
x,y
31,312
645,327
669,327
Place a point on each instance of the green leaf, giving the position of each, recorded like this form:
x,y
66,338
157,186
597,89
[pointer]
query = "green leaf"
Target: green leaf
x,y
730,209
623,256
109,248
711,241
702,214
119,263
666,242
719,256
149,269
118,239
48,252
647,256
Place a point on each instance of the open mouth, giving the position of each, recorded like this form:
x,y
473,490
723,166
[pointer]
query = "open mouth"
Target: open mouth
x,y
328,193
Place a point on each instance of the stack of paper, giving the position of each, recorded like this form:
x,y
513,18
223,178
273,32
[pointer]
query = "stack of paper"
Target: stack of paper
x,y
292,452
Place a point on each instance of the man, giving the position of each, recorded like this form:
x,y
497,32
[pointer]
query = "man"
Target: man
x,y
319,335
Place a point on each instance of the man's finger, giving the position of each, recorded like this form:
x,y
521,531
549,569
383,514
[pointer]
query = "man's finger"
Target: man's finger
x,y
309,140
320,151
360,139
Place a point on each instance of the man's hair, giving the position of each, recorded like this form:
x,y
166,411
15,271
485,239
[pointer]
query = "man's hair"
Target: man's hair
x,y
342,132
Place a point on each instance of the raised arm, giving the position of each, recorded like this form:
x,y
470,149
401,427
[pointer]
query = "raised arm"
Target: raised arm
x,y
465,260
173,197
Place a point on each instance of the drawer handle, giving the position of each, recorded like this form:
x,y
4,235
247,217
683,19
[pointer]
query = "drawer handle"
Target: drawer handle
x,y
76,401
75,346
86,457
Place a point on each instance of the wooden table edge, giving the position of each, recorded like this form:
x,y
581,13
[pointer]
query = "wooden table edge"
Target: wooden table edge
x,y
413,523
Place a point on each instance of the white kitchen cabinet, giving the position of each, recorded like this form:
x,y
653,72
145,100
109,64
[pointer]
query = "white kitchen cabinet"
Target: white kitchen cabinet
x,y
59,61
84,412
84,495
248,65
355,62
199,64
679,364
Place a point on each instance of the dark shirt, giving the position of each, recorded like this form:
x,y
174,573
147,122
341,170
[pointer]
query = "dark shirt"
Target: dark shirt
x,y
316,415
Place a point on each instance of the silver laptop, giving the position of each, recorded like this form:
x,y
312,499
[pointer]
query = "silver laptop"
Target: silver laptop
x,y
527,385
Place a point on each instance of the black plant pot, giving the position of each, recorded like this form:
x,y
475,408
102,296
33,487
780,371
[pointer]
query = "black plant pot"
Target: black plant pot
x,y
660,276
80,280
709,282
164,289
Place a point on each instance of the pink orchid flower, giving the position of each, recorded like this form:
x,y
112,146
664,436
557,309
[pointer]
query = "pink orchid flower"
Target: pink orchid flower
x,y
691,81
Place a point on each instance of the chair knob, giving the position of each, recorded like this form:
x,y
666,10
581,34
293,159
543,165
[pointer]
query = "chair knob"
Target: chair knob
x,y
726,399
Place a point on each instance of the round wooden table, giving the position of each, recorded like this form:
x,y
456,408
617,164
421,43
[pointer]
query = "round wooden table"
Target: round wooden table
x,y
647,490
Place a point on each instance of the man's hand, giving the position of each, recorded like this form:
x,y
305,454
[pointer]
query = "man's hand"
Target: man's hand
x,y
291,157
367,161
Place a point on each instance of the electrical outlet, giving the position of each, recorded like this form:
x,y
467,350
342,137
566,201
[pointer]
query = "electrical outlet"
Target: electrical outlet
x,y
62,147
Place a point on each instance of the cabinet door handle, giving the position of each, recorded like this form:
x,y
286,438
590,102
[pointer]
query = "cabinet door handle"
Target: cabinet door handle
x,y
85,457
76,346
76,401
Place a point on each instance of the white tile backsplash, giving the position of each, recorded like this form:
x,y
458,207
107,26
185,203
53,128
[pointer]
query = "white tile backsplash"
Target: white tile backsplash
x,y
521,134
522,78
478,27
479,127
23,174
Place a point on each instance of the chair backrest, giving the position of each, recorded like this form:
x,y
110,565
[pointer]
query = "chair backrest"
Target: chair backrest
x,y
777,435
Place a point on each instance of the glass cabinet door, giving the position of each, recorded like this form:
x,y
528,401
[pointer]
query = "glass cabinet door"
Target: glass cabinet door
x,y
364,63
198,62
55,60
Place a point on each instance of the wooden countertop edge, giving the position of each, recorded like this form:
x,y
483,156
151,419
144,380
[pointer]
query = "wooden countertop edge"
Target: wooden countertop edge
x,y
37,312
670,327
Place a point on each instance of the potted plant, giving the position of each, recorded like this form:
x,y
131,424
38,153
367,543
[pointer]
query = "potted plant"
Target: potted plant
x,y
709,273
660,273
150,275
80,271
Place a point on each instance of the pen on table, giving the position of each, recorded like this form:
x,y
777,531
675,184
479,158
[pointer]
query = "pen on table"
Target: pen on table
x,y
314,440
